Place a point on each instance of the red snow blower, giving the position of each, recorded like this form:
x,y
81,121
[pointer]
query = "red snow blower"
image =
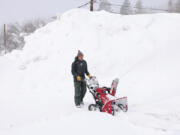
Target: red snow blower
x,y
105,100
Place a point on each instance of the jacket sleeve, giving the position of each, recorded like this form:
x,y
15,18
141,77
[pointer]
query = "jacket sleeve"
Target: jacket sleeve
x,y
86,71
73,69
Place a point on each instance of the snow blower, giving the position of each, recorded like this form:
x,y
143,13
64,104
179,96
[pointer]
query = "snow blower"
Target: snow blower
x,y
105,100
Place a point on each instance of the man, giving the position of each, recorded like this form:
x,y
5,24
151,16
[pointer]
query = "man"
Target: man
x,y
79,69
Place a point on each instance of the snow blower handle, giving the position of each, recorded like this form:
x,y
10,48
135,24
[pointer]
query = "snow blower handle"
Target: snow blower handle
x,y
90,79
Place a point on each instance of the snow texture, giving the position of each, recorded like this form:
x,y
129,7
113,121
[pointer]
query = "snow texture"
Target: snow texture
x,y
36,89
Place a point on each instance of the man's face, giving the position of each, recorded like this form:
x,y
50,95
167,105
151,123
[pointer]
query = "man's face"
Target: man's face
x,y
80,57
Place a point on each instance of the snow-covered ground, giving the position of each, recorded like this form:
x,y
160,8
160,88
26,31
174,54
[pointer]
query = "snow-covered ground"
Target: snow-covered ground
x,y
36,85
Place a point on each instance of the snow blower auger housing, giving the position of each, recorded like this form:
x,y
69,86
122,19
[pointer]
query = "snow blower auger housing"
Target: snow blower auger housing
x,y
105,100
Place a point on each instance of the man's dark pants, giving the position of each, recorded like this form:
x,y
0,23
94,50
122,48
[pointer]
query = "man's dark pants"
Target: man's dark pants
x,y
80,91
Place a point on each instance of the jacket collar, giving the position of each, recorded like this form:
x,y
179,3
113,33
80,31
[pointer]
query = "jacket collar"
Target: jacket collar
x,y
76,59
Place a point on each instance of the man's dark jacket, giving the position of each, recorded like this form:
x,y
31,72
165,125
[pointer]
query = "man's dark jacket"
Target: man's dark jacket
x,y
79,68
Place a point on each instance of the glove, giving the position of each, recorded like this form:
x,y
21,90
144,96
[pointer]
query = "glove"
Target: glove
x,y
79,78
89,76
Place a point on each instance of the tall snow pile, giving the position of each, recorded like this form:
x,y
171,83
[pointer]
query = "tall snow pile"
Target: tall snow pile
x,y
36,85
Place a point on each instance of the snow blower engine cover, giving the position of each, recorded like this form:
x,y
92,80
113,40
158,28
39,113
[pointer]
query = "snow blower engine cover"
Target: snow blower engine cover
x,y
92,84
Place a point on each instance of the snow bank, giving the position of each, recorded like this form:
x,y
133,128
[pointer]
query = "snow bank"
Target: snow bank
x,y
36,90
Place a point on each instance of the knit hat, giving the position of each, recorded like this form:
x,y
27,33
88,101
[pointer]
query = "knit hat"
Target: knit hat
x,y
80,53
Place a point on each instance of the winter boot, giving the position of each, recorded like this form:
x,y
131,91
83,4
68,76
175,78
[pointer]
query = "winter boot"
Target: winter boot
x,y
78,106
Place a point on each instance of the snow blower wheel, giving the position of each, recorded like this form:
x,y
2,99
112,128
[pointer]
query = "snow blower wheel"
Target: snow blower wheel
x,y
92,107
